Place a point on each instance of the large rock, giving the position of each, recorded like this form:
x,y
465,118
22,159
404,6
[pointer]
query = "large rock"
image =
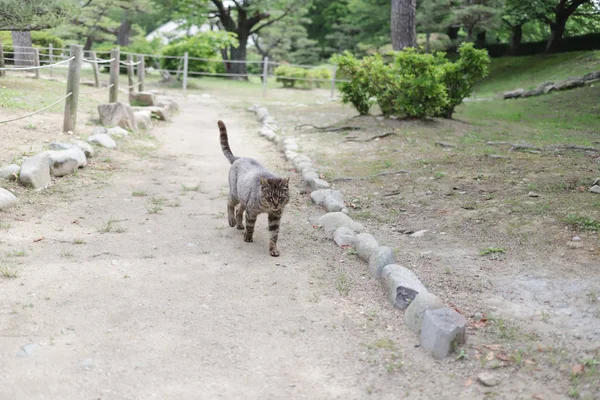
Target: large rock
x,y
569,84
117,114
513,94
413,316
318,183
35,171
261,113
117,131
290,155
87,149
71,150
143,119
402,285
533,93
142,99
66,162
377,261
595,189
344,236
331,221
169,104
333,200
546,87
592,76
7,199
442,332
366,246
103,140
10,173
308,175
159,112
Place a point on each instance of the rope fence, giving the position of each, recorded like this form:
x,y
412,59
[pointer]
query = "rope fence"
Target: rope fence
x,y
98,90
38,111
36,67
98,61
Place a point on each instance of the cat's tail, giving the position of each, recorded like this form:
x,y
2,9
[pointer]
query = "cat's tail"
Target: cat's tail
x,y
225,143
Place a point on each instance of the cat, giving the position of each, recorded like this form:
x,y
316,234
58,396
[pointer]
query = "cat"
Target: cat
x,y
255,190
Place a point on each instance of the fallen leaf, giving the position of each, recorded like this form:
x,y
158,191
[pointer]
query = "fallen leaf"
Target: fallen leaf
x,y
477,356
537,397
479,324
315,226
468,382
455,308
494,347
528,362
322,176
346,246
490,356
502,356
39,239
577,369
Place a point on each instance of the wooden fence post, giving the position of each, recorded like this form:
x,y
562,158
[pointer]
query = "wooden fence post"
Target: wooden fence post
x,y
113,95
95,69
185,72
51,56
265,75
2,65
71,102
141,72
36,62
130,74
333,81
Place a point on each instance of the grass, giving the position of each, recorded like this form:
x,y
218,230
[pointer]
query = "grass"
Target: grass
x,y
583,223
78,241
110,226
4,226
492,250
139,193
8,272
156,205
342,284
16,253
189,188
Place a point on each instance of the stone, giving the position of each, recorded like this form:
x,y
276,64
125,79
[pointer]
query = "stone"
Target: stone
x,y
64,162
545,85
596,182
117,131
595,189
331,221
117,114
302,165
87,149
7,200
261,113
103,140
413,316
66,150
27,350
592,76
420,233
300,160
290,146
161,113
569,84
143,119
35,171
309,175
366,246
402,285
290,155
334,201
87,363
10,173
60,146
169,104
318,196
533,194
319,183
488,379
442,332
344,236
533,93
383,256
513,94
142,99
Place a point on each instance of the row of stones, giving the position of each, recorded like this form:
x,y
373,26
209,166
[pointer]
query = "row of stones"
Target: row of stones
x,y
547,87
66,158
441,329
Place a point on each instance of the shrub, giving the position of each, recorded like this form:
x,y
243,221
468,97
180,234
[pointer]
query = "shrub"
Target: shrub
x,y
289,75
43,39
321,75
415,84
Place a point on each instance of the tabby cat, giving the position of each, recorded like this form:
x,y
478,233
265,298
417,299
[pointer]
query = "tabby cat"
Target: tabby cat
x,y
255,190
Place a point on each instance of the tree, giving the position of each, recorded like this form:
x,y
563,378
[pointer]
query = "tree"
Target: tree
x,y
432,16
129,10
286,43
477,16
403,29
244,18
23,16
558,20
519,12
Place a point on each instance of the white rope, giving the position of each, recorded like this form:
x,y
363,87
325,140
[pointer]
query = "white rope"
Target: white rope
x,y
39,67
134,85
98,61
132,64
36,112
98,90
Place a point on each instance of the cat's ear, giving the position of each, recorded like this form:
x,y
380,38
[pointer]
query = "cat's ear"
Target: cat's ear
x,y
286,181
264,182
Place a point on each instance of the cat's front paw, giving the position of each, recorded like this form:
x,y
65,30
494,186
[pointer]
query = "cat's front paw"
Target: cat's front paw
x,y
240,227
247,238
274,253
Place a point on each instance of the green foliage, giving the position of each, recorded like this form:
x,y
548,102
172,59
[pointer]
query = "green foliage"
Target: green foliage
x,y
34,15
204,45
320,76
289,76
44,39
415,85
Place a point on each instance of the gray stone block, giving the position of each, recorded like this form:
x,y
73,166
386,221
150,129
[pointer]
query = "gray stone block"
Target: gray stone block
x,y
442,332
309,175
344,236
10,173
592,76
331,221
7,199
261,113
142,99
35,171
569,84
117,131
513,94
65,162
383,256
413,316
366,246
401,284
87,149
103,140
290,155
117,114
318,183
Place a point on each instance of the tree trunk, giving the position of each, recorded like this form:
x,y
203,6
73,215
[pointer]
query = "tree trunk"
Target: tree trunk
x,y
404,33
238,54
428,42
23,48
452,32
89,42
557,30
124,33
516,38
480,40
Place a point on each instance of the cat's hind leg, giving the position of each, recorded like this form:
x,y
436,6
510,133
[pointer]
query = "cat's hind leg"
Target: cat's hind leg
x,y
231,203
239,216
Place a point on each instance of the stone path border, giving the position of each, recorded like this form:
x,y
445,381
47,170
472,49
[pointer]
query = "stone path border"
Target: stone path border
x,y
64,158
441,329
548,87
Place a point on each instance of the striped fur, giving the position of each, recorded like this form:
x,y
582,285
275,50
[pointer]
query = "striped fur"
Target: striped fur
x,y
253,190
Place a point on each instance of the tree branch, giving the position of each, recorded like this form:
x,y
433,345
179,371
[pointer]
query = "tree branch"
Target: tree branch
x,y
271,22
